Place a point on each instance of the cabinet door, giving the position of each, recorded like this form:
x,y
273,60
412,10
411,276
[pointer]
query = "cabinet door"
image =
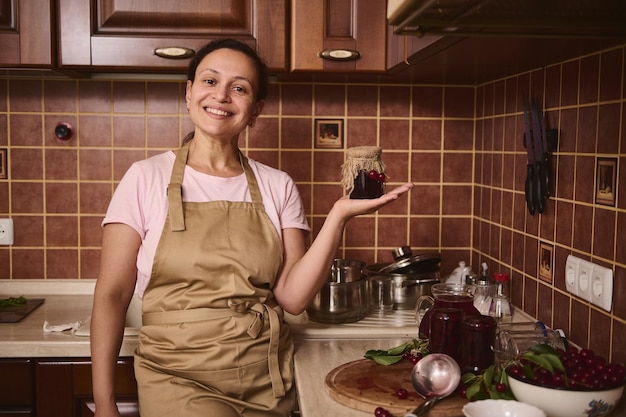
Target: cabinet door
x,y
17,387
54,388
64,388
325,25
25,33
125,35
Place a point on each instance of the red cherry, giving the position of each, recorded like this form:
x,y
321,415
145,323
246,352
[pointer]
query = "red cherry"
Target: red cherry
x,y
381,412
402,394
373,175
500,387
381,177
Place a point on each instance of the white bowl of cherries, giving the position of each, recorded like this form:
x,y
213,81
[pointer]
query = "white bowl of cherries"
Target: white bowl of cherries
x,y
572,383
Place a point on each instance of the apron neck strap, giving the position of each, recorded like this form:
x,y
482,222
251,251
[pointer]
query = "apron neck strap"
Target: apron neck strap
x,y
175,190
253,186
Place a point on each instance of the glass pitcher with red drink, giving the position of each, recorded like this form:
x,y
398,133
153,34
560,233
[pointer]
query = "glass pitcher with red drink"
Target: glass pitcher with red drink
x,y
448,295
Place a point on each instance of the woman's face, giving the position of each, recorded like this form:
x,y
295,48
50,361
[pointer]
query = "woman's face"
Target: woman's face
x,y
222,97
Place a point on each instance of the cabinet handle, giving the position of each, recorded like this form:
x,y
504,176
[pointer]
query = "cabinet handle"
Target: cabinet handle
x,y
339,54
174,52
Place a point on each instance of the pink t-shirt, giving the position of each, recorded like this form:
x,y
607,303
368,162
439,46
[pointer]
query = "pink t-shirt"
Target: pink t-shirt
x,y
140,201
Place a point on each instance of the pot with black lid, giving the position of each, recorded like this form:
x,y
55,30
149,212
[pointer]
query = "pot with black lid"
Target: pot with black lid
x,y
412,275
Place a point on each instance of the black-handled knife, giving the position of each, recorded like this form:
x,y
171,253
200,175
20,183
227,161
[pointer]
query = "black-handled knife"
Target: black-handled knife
x,y
540,173
529,187
545,162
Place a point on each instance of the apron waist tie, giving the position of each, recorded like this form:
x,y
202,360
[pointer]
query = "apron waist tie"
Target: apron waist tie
x,y
256,326
237,307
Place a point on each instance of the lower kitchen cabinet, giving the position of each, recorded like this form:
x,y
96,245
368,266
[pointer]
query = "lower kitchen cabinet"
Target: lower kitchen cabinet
x,y
64,388
17,387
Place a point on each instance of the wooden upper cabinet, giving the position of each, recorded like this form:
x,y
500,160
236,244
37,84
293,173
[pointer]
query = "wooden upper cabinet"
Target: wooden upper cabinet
x,y
125,35
26,33
338,25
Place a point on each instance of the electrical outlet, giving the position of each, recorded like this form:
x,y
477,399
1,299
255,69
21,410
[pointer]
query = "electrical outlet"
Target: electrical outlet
x,y
585,269
571,274
602,287
6,232
591,282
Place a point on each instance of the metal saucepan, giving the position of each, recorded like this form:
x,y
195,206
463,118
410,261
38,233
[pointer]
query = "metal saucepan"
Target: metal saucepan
x,y
344,297
346,270
412,277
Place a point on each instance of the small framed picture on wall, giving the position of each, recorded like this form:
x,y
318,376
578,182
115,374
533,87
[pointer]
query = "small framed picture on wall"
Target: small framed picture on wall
x,y
546,261
606,178
329,133
3,164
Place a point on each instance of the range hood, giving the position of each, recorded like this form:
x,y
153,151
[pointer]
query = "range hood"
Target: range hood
x,y
510,18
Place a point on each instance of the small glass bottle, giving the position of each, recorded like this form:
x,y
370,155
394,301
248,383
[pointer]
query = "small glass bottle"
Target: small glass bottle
x,y
363,173
485,291
500,307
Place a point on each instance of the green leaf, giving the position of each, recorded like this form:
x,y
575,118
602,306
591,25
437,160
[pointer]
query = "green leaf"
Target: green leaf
x,y
541,361
543,348
399,350
555,361
373,353
387,359
528,372
488,375
469,378
472,390
493,393
480,395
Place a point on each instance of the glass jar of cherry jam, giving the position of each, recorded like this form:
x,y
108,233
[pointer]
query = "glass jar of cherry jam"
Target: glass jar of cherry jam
x,y
479,337
363,172
368,185
445,332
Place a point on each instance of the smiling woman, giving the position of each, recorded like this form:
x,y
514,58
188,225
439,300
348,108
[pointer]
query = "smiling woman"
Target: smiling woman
x,y
214,244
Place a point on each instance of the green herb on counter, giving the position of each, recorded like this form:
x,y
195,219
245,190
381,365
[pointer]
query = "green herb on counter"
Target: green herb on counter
x,y
396,354
12,302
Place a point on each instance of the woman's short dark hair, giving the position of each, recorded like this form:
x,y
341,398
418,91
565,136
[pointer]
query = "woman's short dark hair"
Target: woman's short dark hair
x,y
236,45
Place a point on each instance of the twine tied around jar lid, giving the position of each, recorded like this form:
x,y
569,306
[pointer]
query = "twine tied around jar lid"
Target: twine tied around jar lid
x,y
360,158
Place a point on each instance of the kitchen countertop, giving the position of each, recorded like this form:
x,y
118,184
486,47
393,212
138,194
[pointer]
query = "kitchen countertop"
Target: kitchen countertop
x,y
320,348
71,301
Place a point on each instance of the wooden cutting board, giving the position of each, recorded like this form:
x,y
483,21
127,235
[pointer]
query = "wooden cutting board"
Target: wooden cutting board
x,y
365,385
17,313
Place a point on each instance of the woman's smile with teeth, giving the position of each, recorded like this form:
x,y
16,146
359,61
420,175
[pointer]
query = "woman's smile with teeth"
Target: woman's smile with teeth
x,y
217,111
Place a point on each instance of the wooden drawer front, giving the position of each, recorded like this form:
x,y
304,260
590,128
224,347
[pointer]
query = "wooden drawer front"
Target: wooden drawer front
x,y
125,384
17,384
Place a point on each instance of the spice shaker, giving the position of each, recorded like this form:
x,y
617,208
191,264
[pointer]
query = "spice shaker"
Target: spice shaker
x,y
363,173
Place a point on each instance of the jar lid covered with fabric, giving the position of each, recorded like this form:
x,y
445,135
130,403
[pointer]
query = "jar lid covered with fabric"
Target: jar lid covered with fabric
x,y
363,172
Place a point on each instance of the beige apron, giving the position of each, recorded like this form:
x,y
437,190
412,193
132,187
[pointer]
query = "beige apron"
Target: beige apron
x,y
213,341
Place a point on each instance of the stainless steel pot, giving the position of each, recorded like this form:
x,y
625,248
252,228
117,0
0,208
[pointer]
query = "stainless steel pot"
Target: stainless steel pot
x,y
344,297
340,302
346,270
412,277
